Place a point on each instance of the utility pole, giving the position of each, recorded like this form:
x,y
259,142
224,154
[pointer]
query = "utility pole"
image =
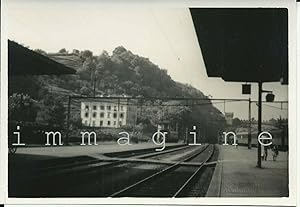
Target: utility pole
x,y
281,126
118,114
259,123
68,121
135,117
186,135
94,90
249,125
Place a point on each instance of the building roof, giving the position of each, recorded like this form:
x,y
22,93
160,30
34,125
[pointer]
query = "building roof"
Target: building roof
x,y
244,44
23,61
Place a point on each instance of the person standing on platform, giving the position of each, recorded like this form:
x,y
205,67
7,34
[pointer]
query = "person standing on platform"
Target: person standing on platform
x,y
275,152
265,153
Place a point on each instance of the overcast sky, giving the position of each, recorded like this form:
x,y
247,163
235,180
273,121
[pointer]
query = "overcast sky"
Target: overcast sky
x,y
165,35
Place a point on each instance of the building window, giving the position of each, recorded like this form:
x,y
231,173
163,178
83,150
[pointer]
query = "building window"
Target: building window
x,y
93,123
86,106
121,115
102,107
101,123
115,115
115,123
108,114
120,123
95,107
122,108
108,123
115,108
94,115
86,114
109,108
85,122
102,114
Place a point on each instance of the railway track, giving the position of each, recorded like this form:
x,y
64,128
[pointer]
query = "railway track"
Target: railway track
x,y
142,152
62,174
95,164
170,181
101,178
125,173
68,164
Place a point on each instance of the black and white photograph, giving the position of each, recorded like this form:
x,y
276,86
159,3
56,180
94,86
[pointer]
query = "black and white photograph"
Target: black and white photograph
x,y
106,101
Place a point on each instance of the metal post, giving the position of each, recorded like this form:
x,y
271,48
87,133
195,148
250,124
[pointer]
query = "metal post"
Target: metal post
x,y
95,83
68,121
94,90
259,123
186,136
281,126
135,117
249,125
118,114
90,114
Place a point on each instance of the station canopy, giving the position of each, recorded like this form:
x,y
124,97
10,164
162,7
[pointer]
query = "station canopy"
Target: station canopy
x,y
23,61
243,44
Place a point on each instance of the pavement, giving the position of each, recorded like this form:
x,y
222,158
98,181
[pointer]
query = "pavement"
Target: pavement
x,y
29,157
236,174
46,152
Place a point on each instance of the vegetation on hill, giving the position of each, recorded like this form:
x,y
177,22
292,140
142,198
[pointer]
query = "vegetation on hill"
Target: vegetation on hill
x,y
120,73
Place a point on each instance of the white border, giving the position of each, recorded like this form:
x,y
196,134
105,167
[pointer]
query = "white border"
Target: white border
x,y
298,99
3,111
290,4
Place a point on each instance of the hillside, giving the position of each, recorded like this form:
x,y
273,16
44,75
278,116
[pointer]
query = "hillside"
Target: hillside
x,y
120,73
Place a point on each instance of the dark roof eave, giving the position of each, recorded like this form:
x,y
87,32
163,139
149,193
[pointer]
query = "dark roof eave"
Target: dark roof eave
x,y
23,61
244,44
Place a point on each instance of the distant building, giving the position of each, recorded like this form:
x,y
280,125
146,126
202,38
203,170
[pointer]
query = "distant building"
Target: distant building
x,y
229,118
113,113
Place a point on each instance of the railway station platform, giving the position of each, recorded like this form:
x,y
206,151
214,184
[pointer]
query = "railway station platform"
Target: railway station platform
x,y
236,174
47,152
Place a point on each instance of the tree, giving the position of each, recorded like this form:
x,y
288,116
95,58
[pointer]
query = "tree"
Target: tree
x,y
85,91
104,57
103,63
53,112
273,121
21,108
42,52
75,51
119,50
86,54
75,121
63,51
30,85
236,122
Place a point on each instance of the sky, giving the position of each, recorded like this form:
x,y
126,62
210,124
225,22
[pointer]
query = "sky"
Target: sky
x,y
164,35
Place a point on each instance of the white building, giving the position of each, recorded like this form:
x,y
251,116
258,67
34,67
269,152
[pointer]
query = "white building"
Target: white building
x,y
107,113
